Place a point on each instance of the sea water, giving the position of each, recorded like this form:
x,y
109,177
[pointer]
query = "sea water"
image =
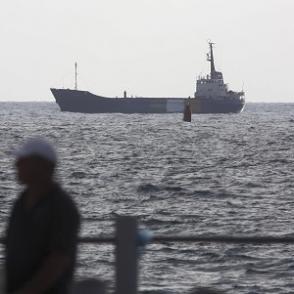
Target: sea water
x,y
222,174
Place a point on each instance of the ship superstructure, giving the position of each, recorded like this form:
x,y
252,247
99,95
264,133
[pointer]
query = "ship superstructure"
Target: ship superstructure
x,y
212,91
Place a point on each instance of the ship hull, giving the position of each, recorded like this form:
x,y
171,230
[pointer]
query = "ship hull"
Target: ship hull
x,y
217,105
86,102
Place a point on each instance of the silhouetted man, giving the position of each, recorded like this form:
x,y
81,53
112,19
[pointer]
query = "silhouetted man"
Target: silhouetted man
x,y
42,232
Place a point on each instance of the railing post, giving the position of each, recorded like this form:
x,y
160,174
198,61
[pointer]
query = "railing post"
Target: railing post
x,y
126,255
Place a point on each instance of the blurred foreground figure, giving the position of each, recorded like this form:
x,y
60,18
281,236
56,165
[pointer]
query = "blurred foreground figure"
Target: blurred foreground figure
x,y
41,237
89,286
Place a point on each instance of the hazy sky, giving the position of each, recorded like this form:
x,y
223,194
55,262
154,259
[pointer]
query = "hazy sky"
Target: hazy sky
x,y
147,47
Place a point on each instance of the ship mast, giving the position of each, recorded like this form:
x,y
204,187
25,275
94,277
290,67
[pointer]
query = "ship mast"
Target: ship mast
x,y
210,58
76,76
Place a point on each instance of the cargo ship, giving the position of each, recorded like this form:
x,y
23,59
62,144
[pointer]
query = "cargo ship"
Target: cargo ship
x,y
211,96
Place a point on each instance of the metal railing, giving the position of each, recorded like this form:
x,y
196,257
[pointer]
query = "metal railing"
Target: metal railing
x,y
126,243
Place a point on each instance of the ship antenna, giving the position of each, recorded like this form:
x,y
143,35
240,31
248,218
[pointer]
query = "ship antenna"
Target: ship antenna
x,y
210,58
76,75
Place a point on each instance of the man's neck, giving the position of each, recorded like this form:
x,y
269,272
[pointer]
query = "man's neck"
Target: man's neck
x,y
36,192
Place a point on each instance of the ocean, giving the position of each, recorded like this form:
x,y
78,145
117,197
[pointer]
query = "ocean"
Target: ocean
x,y
219,175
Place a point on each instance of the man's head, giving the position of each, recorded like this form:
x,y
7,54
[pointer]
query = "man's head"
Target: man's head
x,y
35,162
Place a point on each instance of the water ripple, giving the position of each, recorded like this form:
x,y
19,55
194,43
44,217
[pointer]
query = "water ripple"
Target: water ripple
x,y
221,174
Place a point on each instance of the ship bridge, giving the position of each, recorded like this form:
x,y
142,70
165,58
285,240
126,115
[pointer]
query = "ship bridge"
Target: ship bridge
x,y
213,86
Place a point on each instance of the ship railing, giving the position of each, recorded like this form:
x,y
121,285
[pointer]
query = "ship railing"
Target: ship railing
x,y
128,238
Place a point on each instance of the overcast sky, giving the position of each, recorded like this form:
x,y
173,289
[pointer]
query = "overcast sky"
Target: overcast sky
x,y
147,47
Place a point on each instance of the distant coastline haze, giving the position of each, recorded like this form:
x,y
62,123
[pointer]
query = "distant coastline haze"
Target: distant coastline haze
x,y
146,47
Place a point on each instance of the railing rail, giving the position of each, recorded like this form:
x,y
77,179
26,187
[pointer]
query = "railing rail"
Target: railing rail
x,y
226,239
200,239
194,239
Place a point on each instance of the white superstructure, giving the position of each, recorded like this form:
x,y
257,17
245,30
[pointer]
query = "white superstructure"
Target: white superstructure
x,y
212,86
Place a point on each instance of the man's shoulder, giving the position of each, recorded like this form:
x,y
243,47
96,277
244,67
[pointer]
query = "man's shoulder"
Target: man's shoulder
x,y
62,201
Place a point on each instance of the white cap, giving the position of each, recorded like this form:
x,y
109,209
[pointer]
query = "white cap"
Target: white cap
x,y
38,147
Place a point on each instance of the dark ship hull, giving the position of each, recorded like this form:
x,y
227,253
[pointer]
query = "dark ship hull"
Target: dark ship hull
x,y
86,102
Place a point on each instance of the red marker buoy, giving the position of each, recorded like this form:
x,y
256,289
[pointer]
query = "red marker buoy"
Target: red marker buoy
x,y
187,112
